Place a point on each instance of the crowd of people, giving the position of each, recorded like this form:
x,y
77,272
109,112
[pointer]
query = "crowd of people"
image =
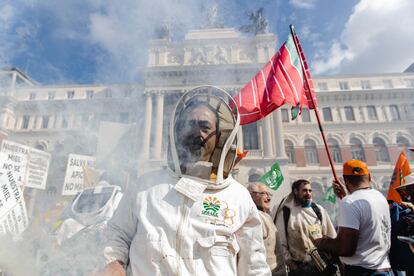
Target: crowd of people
x,y
193,218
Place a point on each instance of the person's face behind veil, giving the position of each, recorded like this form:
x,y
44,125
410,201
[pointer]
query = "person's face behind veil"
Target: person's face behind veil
x,y
196,134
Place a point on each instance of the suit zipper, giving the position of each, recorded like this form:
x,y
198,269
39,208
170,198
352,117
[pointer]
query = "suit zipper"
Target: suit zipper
x,y
179,236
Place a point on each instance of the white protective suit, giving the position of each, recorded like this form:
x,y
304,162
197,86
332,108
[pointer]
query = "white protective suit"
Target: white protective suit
x,y
200,223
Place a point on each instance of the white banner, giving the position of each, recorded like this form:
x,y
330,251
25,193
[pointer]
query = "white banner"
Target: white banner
x,y
13,215
14,160
37,169
74,173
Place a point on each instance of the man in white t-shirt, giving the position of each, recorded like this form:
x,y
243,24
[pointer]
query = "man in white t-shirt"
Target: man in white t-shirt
x,y
364,236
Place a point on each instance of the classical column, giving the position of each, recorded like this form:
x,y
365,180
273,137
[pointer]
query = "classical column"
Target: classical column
x,y
278,134
267,138
158,125
147,125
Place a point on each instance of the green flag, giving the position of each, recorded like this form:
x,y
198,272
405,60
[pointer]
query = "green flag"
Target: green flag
x,y
273,178
295,111
330,195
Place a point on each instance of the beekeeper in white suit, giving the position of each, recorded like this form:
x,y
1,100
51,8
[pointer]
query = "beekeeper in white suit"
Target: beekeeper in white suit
x,y
192,218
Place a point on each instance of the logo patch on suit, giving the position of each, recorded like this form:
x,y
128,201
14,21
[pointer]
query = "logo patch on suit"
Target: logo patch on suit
x,y
211,206
217,212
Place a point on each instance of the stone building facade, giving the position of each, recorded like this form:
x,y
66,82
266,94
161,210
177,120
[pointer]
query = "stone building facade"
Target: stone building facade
x,y
369,117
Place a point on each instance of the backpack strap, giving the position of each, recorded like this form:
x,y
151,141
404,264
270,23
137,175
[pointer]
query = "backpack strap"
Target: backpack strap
x,y
317,211
286,215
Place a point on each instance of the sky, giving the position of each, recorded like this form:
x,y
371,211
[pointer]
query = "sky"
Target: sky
x,y
104,41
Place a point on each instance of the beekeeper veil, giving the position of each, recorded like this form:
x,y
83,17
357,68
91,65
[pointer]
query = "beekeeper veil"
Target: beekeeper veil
x,y
203,135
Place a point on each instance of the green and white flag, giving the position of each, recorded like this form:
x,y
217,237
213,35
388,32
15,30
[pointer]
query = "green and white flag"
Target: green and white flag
x,y
330,195
273,178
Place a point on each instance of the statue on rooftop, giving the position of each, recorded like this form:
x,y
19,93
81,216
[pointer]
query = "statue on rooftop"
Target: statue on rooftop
x,y
259,24
164,31
213,18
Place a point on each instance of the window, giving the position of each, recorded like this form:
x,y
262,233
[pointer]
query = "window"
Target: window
x,y
372,112
404,144
381,150
343,85
64,122
305,115
365,84
387,84
250,136
327,114
32,96
395,114
290,152
51,95
335,150
89,94
45,121
25,123
70,94
311,153
285,115
323,86
357,150
409,82
349,113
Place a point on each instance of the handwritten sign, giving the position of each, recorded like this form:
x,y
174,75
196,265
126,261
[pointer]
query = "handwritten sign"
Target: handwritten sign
x,y
74,182
14,160
15,221
37,169
13,215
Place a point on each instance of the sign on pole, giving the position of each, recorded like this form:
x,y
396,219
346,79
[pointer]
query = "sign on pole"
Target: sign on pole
x,y
14,160
37,169
74,182
13,215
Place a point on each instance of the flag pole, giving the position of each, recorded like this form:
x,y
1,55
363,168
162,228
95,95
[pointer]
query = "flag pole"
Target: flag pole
x,y
295,39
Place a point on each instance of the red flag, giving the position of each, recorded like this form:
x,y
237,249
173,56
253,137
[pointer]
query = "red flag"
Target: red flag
x,y
281,81
402,168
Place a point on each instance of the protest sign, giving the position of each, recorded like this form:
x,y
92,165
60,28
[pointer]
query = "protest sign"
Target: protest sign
x,y
13,215
14,160
15,221
29,165
74,182
10,193
37,169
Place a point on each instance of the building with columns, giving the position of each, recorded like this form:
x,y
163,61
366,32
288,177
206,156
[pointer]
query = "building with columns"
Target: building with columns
x,y
369,117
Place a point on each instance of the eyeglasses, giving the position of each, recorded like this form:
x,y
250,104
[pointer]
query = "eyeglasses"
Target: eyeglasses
x,y
263,193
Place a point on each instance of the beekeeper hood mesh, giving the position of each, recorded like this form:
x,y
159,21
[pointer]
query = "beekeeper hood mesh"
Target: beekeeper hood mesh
x,y
184,151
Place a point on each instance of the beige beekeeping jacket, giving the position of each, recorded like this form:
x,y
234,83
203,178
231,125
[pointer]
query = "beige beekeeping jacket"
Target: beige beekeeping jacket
x,y
298,242
274,254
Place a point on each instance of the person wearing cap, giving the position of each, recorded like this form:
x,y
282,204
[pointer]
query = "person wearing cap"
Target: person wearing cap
x,y
364,236
191,218
262,197
401,252
299,221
